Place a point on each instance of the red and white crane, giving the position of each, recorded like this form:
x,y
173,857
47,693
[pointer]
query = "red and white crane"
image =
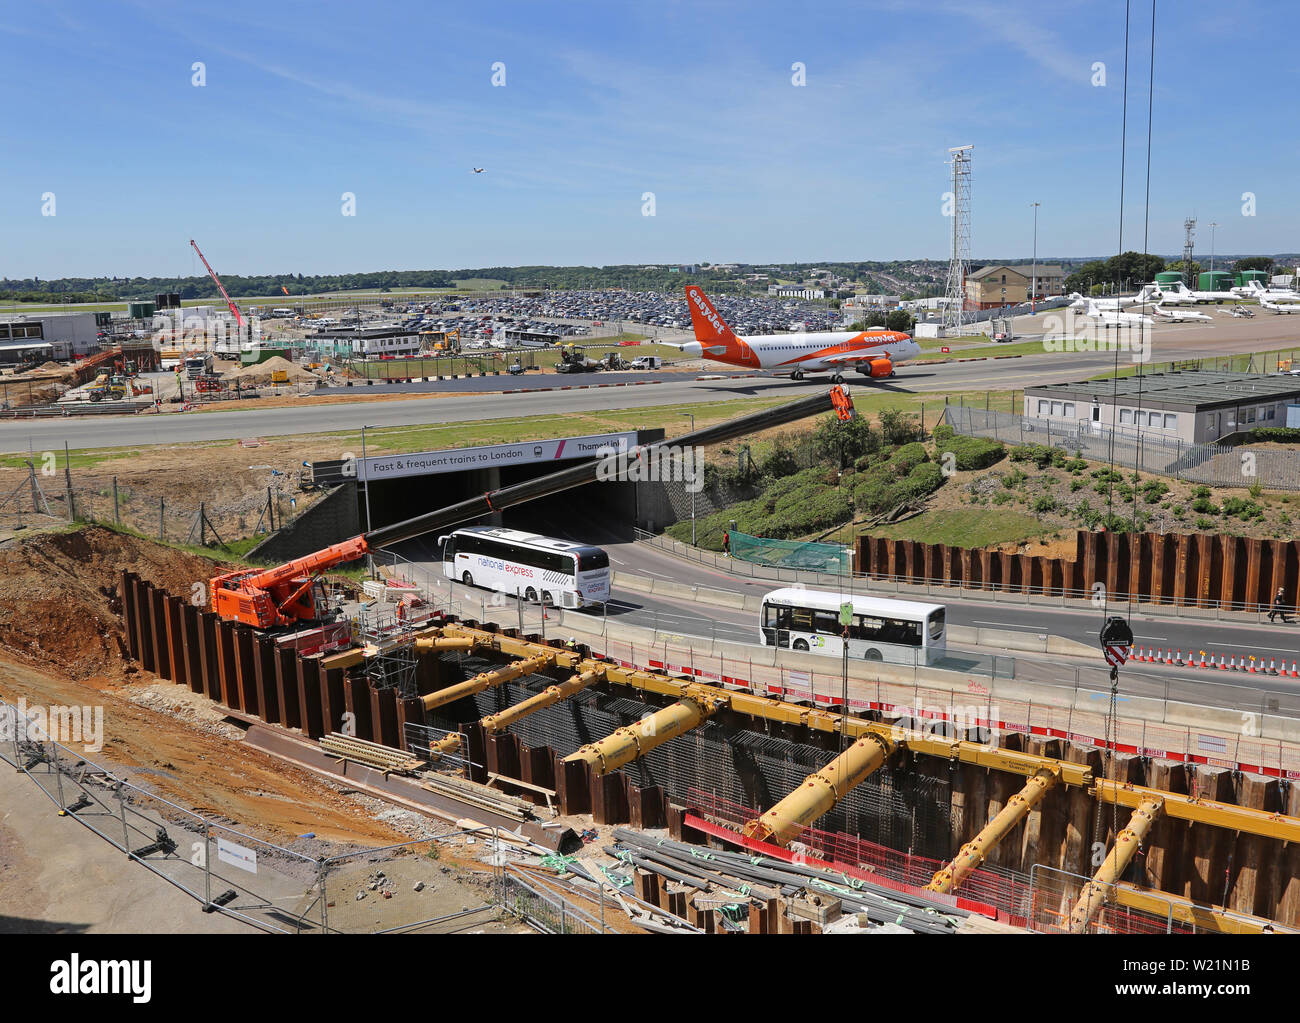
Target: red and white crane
x,y
220,287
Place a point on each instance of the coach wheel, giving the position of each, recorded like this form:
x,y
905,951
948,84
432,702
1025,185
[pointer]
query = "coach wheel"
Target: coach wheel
x,y
800,644
530,594
546,599
467,579
873,655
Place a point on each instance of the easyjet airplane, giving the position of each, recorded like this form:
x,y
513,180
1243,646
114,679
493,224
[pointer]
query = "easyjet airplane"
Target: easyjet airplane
x,y
871,352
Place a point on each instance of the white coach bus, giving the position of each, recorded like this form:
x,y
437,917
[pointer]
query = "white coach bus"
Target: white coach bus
x,y
559,573
900,631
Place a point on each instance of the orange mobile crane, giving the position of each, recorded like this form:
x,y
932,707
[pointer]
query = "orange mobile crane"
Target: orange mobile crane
x,y
291,593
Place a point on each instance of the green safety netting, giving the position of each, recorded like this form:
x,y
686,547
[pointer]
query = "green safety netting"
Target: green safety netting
x,y
802,554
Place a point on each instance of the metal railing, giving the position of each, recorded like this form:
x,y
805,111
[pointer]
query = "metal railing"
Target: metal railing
x,y
240,875
542,909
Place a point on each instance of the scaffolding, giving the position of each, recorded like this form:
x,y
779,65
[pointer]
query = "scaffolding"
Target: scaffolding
x,y
954,306
391,664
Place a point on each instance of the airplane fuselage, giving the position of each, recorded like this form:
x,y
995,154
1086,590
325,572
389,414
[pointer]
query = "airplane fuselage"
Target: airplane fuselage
x,y
809,353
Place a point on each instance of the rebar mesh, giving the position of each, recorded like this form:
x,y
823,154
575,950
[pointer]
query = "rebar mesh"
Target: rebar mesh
x,y
895,806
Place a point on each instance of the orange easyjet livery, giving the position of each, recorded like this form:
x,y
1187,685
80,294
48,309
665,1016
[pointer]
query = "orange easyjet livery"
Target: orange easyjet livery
x,y
872,353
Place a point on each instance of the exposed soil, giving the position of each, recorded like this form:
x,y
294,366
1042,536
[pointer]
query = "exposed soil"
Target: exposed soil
x,y
59,601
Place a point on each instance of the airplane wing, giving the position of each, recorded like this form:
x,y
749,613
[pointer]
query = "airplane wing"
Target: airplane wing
x,y
851,357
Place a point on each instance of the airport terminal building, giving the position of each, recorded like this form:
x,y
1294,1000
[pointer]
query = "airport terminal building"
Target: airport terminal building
x,y
1192,407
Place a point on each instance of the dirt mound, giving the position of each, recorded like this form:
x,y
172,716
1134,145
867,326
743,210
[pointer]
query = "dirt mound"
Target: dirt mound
x,y
261,373
59,600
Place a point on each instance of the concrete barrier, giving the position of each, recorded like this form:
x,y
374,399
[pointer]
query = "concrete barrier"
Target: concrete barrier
x,y
1209,718
722,598
627,581
664,588
1070,647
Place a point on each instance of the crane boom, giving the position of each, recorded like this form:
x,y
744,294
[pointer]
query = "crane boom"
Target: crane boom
x,y
220,287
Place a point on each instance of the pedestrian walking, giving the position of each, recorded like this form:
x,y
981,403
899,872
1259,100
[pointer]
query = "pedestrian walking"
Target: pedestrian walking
x,y
1279,605
726,544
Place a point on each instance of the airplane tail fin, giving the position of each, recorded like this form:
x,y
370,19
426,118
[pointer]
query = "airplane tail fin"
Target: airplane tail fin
x,y
711,331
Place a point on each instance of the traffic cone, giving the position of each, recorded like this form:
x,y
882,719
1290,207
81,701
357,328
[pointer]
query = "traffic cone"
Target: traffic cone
x,y
1232,663
1252,664
1294,672
1202,664
1179,659
1272,669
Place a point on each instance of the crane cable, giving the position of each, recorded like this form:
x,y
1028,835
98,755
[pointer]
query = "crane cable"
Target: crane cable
x,y
1113,703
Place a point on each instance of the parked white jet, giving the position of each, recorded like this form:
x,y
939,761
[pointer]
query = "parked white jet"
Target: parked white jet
x,y
1179,315
1112,318
1147,296
1253,289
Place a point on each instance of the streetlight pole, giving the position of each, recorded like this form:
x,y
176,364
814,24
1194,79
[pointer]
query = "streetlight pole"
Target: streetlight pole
x,y
365,470
691,416
1213,225
1033,294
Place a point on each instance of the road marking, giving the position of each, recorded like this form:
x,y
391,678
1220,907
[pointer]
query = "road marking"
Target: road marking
x,y
1006,625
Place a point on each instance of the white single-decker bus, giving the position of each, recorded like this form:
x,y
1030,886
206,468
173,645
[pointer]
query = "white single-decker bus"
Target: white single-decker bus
x,y
559,573
899,631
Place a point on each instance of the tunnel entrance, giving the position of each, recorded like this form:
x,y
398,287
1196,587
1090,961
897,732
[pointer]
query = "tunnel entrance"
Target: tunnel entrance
x,y
403,486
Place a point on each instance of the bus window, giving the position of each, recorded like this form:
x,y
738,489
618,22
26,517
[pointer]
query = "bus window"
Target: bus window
x,y
777,617
590,561
936,625
802,619
826,623
905,633
864,628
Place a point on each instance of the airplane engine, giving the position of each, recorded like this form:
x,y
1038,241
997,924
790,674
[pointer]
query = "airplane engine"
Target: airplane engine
x,y
881,367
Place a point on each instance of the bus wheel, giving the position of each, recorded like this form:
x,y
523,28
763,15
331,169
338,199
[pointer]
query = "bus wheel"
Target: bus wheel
x,y
873,655
467,579
547,601
530,594
800,644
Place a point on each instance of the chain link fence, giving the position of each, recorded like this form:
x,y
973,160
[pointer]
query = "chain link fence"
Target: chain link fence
x,y
41,495
437,884
805,555
1220,465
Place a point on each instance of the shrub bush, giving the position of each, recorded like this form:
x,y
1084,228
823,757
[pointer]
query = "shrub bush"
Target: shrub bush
x,y
1040,454
1282,434
908,456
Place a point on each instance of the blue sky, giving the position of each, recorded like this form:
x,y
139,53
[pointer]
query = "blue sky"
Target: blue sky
x,y
694,102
